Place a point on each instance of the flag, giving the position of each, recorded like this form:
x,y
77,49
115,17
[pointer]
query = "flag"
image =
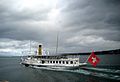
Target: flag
x,y
93,59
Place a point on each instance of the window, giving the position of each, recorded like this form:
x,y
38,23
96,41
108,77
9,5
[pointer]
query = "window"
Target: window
x,y
56,61
50,61
63,62
53,61
75,62
43,61
66,62
71,62
60,62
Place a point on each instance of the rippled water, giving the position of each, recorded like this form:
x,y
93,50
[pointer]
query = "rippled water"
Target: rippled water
x,y
12,71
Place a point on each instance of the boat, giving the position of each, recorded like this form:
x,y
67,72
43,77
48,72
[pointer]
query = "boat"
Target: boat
x,y
51,61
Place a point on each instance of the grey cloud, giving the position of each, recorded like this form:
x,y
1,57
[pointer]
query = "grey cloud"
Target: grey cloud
x,y
114,21
19,25
97,19
99,15
9,13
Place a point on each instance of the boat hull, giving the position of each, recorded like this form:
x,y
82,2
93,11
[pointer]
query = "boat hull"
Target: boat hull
x,y
52,66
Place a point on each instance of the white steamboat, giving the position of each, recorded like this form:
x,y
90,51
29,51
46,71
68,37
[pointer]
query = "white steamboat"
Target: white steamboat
x,y
51,62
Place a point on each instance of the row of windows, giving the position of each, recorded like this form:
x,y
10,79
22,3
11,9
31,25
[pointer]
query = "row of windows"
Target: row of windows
x,y
60,62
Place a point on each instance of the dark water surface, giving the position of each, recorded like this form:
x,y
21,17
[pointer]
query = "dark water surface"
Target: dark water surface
x,y
12,71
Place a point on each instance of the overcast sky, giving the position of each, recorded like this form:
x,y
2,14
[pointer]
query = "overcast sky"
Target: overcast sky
x,y
82,25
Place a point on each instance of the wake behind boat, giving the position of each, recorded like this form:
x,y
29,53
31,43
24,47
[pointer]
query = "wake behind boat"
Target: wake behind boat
x,y
52,62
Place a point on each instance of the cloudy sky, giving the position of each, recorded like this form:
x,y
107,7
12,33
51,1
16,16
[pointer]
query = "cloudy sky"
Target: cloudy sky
x,y
82,25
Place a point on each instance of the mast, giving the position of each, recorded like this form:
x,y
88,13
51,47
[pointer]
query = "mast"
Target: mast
x,y
57,43
30,47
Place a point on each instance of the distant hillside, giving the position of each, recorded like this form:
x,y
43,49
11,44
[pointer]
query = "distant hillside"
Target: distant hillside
x,y
108,52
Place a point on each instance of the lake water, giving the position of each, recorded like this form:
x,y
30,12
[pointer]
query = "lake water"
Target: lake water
x,y
12,71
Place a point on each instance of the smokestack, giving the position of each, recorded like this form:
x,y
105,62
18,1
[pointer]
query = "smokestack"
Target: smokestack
x,y
40,50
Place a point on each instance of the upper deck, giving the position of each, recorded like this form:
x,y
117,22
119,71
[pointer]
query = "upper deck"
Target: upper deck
x,y
51,57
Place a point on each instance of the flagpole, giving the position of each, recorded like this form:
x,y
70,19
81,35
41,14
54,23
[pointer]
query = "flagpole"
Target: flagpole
x,y
87,59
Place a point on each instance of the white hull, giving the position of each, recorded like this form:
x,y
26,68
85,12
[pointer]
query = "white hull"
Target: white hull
x,y
63,67
55,62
